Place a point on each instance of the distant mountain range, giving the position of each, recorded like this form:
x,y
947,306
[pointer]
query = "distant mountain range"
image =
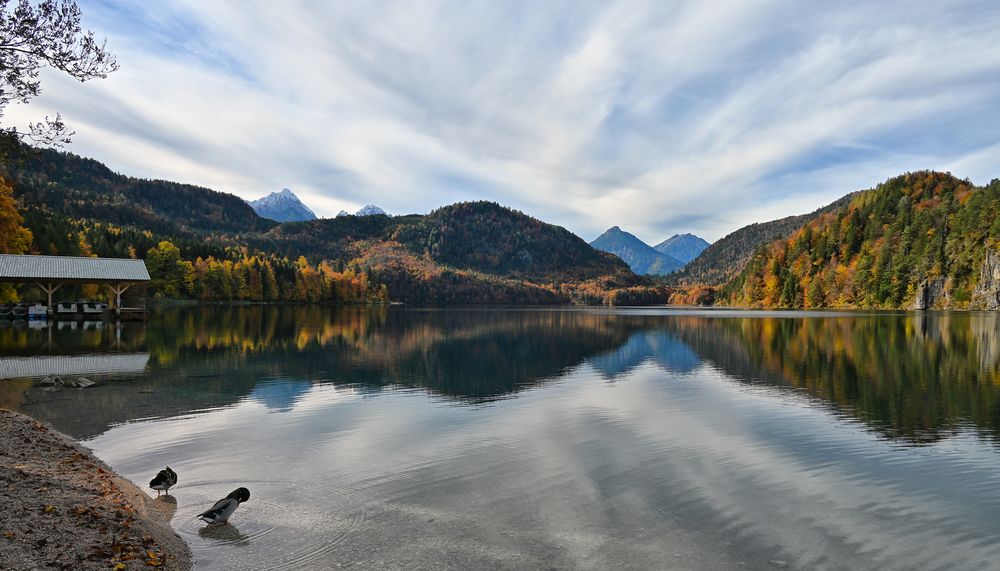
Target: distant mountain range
x,y
282,206
919,240
367,210
668,256
466,253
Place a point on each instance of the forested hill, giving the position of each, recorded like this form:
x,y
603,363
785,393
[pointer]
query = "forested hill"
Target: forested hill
x,y
487,237
918,239
464,253
53,184
725,259
478,236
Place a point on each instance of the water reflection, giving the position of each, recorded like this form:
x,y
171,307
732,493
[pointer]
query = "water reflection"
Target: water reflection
x,y
915,377
550,438
912,377
663,348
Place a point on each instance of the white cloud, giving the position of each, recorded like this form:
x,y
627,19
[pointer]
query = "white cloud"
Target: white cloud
x,y
659,117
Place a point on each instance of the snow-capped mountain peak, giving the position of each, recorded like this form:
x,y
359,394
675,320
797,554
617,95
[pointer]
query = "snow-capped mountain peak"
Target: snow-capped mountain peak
x,y
282,206
370,210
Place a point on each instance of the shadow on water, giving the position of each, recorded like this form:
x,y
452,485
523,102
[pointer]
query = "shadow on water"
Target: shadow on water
x,y
226,533
916,378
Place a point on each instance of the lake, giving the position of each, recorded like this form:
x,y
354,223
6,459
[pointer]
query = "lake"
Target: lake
x,y
544,438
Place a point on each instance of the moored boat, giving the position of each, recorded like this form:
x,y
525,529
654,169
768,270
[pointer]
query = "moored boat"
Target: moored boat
x,y
38,311
66,310
92,308
5,310
19,311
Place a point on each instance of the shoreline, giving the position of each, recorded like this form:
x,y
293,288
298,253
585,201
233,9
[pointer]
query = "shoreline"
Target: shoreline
x,y
63,508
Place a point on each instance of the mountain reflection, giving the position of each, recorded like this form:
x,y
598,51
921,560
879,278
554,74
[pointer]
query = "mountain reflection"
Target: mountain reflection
x,y
657,346
207,357
915,377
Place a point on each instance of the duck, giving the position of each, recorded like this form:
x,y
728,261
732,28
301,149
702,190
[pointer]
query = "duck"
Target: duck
x,y
163,480
224,508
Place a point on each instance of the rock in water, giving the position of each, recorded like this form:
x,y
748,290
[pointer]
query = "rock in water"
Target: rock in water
x,y
51,381
82,383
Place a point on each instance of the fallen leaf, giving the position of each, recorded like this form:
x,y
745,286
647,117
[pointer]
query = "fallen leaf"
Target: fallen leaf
x,y
153,559
119,567
50,509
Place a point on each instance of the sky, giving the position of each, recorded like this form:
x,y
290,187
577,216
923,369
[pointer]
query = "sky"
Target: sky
x,y
658,116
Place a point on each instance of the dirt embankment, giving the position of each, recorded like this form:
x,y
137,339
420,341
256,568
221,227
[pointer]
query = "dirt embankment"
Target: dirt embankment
x,y
62,508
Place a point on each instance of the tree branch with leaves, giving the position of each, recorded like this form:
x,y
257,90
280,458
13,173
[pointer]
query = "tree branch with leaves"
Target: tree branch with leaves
x,y
33,36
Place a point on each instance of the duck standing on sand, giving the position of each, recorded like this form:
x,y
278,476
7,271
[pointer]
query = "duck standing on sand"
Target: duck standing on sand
x,y
220,512
163,480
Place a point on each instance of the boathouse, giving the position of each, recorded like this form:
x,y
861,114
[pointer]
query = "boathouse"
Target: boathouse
x,y
52,272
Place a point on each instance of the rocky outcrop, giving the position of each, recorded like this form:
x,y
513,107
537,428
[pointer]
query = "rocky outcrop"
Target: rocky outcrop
x,y
932,293
986,296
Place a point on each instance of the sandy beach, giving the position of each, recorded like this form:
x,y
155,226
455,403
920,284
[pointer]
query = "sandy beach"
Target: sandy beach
x,y
62,508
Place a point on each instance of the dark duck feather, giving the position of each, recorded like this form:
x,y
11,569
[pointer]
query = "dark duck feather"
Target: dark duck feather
x,y
224,508
164,479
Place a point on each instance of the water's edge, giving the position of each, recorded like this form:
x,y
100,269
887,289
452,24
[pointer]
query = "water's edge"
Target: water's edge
x,y
72,474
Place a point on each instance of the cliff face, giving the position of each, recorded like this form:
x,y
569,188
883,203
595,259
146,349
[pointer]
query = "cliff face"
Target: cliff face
x,y
987,293
932,293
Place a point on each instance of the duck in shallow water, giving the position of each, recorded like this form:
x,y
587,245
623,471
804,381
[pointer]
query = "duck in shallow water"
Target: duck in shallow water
x,y
163,480
224,508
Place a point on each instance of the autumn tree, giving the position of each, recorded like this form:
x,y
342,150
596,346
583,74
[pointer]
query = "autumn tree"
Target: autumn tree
x,y
33,37
171,276
14,238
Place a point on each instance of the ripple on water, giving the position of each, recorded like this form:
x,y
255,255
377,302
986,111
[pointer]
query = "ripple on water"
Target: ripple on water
x,y
263,532
337,526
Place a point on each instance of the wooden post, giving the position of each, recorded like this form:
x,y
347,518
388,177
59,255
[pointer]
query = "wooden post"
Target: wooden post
x,y
116,298
49,289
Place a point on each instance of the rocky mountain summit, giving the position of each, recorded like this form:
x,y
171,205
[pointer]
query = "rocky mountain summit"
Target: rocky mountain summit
x,y
282,206
683,247
367,210
640,256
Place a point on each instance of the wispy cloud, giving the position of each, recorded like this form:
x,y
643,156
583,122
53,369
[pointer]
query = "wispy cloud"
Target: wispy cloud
x,y
661,117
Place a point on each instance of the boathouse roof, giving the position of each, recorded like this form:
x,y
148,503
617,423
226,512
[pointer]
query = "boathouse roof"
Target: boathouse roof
x,y
16,268
73,365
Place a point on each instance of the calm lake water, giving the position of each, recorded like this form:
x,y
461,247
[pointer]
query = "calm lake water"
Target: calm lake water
x,y
537,438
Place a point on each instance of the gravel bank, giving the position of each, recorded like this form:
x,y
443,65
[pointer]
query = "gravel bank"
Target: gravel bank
x,y
62,508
